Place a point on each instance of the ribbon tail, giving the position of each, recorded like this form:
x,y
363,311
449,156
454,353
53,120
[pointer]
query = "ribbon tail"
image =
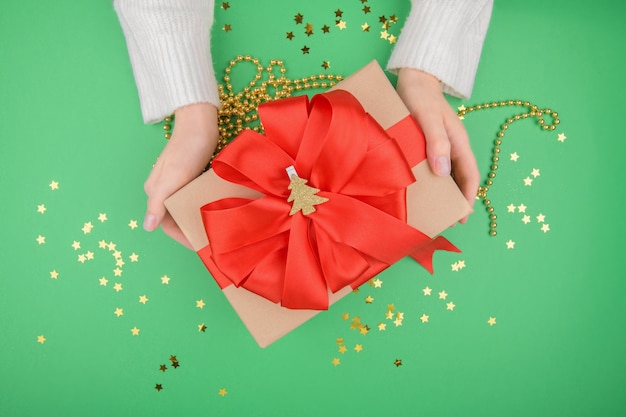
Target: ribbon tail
x,y
424,254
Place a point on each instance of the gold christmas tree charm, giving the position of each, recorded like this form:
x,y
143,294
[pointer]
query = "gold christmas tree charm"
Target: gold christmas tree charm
x,y
302,196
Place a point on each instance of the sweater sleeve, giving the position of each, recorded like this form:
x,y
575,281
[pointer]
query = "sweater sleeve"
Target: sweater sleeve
x,y
445,39
168,43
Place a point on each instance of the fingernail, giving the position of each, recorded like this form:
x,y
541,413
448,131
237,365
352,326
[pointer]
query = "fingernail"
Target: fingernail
x,y
443,165
149,222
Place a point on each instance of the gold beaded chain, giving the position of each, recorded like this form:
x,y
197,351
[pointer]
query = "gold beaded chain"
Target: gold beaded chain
x,y
533,111
239,110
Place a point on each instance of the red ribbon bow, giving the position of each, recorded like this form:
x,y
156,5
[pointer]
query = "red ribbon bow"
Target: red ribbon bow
x,y
358,232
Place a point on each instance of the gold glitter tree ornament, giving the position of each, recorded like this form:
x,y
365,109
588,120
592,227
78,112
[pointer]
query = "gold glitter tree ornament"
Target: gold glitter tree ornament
x,y
302,196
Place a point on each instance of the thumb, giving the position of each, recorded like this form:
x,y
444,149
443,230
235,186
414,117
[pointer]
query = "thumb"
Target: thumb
x,y
154,213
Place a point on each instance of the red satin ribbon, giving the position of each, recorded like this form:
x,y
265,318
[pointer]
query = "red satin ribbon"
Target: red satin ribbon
x,y
361,230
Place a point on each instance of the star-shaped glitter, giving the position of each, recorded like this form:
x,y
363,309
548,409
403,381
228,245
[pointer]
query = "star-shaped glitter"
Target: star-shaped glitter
x,y
341,24
511,208
339,340
89,255
424,318
119,312
528,181
450,306
455,267
325,29
308,29
345,316
443,295
143,299
365,27
326,64
526,219
298,18
342,349
338,13
389,315
163,368
225,5
369,299
134,257
398,322
397,362
491,321
358,348
384,35
158,387
82,258
514,157
133,224
120,262
522,208
305,50
562,137
103,281
117,272
366,9
290,35
41,339
392,39
87,227
336,361
222,392
541,218
117,287
227,27
111,246
510,244
545,228
427,290
202,327
378,283
200,304
382,327
54,185
102,244
535,173
135,331
41,239
461,264
41,208
76,245
54,274
382,19
102,217
165,279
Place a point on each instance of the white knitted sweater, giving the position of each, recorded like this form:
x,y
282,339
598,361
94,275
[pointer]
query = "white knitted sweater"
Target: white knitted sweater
x,y
169,46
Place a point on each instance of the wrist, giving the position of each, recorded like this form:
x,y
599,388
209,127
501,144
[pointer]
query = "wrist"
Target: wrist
x,y
418,77
197,123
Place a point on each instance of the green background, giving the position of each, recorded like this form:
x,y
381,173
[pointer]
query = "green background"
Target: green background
x,y
71,114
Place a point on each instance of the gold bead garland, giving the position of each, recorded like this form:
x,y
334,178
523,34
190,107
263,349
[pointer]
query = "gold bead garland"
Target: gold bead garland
x,y
239,110
533,111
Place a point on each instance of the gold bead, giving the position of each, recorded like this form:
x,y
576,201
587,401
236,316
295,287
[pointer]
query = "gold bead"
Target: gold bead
x,y
492,175
490,209
493,225
167,135
496,150
494,167
489,182
498,142
493,216
487,202
492,232
495,158
166,127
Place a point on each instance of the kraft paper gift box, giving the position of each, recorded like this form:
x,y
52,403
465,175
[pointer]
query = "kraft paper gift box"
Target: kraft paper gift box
x,y
433,203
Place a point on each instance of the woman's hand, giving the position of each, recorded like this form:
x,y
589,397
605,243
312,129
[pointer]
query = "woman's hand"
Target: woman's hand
x,y
186,154
447,144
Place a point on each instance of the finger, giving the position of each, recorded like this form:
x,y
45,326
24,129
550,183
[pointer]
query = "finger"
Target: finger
x,y
155,210
171,229
437,143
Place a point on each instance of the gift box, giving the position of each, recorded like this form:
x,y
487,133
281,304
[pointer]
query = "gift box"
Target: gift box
x,y
336,191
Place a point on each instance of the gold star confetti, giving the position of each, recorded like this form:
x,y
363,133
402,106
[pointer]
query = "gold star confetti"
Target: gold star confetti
x,y
102,244
308,29
365,27
103,281
389,315
535,173
165,280
382,19
143,299
522,208
400,315
225,5
336,361
461,264
120,262
393,18
526,219
117,272
378,283
173,358
562,137
364,330
117,287
158,387
54,185
82,258
343,349
41,239
391,307
541,218
76,245
341,24
200,304
528,181
511,208
492,321
41,339
133,224
290,35
382,327
87,228
366,9
326,64
305,50
514,157
545,228
175,364
325,29
89,255
135,331
134,257
369,299
427,290
41,208
162,368
222,392
102,217
397,362
345,316
119,312
358,348
510,244
202,327
424,318
384,35
298,18
227,28
111,246
339,341
54,274
397,322
443,295
450,306
392,39
338,13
